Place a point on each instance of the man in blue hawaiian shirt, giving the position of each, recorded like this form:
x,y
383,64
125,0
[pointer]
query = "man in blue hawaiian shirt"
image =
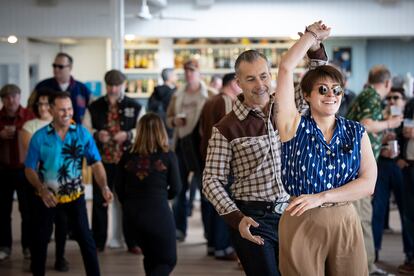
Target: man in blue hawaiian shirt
x,y
54,168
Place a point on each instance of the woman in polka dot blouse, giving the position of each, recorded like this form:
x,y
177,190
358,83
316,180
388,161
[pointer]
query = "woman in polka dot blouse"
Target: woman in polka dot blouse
x,y
327,162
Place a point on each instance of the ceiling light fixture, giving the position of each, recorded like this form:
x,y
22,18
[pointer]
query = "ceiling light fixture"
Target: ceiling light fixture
x,y
12,39
144,11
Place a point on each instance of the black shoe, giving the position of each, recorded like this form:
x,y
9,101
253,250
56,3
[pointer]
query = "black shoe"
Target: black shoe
x,y
62,265
228,257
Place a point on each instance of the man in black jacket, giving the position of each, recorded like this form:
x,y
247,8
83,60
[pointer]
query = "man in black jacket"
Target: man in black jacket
x,y
112,120
160,98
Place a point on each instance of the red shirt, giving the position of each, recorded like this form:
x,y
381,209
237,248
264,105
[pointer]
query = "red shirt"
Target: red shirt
x,y
9,148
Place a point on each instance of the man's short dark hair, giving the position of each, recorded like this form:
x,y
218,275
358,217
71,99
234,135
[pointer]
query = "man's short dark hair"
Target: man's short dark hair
x,y
379,74
227,78
165,73
58,95
62,54
248,56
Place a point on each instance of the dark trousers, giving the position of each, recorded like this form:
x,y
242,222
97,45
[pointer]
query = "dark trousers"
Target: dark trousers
x,y
257,259
181,203
43,219
100,212
389,179
408,202
218,232
61,232
153,226
14,180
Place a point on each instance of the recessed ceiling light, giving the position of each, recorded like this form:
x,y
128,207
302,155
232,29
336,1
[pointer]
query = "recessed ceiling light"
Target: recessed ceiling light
x,y
12,39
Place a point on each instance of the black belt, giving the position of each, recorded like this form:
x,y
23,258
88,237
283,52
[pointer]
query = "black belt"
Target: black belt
x,y
269,207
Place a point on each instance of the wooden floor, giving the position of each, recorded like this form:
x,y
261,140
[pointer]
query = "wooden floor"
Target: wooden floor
x,y
192,259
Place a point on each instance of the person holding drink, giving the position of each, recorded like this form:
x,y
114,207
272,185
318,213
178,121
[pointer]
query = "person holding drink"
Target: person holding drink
x,y
12,118
389,173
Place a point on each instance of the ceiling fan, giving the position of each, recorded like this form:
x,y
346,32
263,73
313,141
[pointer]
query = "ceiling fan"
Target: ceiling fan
x,y
144,13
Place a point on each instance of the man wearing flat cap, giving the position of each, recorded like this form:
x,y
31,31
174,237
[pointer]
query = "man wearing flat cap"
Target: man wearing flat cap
x,y
12,118
112,119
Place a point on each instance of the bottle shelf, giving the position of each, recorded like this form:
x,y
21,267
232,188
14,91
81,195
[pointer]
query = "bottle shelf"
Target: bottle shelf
x,y
142,71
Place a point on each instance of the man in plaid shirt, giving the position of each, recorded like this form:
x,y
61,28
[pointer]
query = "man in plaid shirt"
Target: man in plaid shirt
x,y
245,143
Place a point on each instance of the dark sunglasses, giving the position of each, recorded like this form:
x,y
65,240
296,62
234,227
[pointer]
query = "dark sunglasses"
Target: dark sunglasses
x,y
337,90
60,66
395,98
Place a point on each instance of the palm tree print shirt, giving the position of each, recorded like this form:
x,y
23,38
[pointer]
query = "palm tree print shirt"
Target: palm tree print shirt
x,y
59,162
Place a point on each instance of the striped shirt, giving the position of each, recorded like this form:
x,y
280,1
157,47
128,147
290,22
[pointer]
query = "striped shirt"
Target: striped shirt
x,y
310,165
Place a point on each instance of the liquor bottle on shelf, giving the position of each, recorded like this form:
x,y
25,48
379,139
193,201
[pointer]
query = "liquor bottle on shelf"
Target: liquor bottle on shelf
x,y
131,59
138,59
139,86
131,86
126,60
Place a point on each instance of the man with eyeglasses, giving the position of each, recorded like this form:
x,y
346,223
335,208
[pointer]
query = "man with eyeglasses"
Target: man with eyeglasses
x,y
63,81
246,145
367,109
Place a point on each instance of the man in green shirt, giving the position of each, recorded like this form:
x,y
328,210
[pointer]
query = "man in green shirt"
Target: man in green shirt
x,y
367,110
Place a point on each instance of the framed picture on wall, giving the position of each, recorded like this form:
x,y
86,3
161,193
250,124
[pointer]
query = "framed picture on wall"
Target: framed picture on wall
x,y
342,57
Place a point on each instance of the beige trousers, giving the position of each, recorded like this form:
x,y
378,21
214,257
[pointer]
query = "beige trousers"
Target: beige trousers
x,y
322,241
364,210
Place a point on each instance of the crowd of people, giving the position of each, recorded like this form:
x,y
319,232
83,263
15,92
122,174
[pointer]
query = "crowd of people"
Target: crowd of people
x,y
293,180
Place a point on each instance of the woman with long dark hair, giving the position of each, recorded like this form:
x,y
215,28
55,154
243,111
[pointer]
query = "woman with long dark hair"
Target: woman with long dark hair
x,y
147,177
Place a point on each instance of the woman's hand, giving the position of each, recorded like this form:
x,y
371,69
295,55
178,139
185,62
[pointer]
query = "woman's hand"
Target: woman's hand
x,y
320,31
303,203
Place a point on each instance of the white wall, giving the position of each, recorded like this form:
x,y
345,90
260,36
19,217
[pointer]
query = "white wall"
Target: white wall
x,y
90,63
17,54
226,18
76,18
89,58
281,18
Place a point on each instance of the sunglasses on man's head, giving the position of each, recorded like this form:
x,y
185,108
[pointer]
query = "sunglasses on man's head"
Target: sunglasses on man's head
x,y
395,98
337,90
59,66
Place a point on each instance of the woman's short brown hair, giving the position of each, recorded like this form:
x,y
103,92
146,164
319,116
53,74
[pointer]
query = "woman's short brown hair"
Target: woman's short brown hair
x,y
320,73
151,135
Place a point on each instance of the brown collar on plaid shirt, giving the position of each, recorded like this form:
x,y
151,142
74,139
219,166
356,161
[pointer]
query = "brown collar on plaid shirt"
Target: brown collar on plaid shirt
x,y
241,111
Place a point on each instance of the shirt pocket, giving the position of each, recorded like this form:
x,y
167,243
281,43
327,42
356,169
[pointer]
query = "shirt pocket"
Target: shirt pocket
x,y
249,155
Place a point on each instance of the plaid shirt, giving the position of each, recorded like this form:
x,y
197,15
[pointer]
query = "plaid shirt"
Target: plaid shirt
x,y
254,160
246,143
